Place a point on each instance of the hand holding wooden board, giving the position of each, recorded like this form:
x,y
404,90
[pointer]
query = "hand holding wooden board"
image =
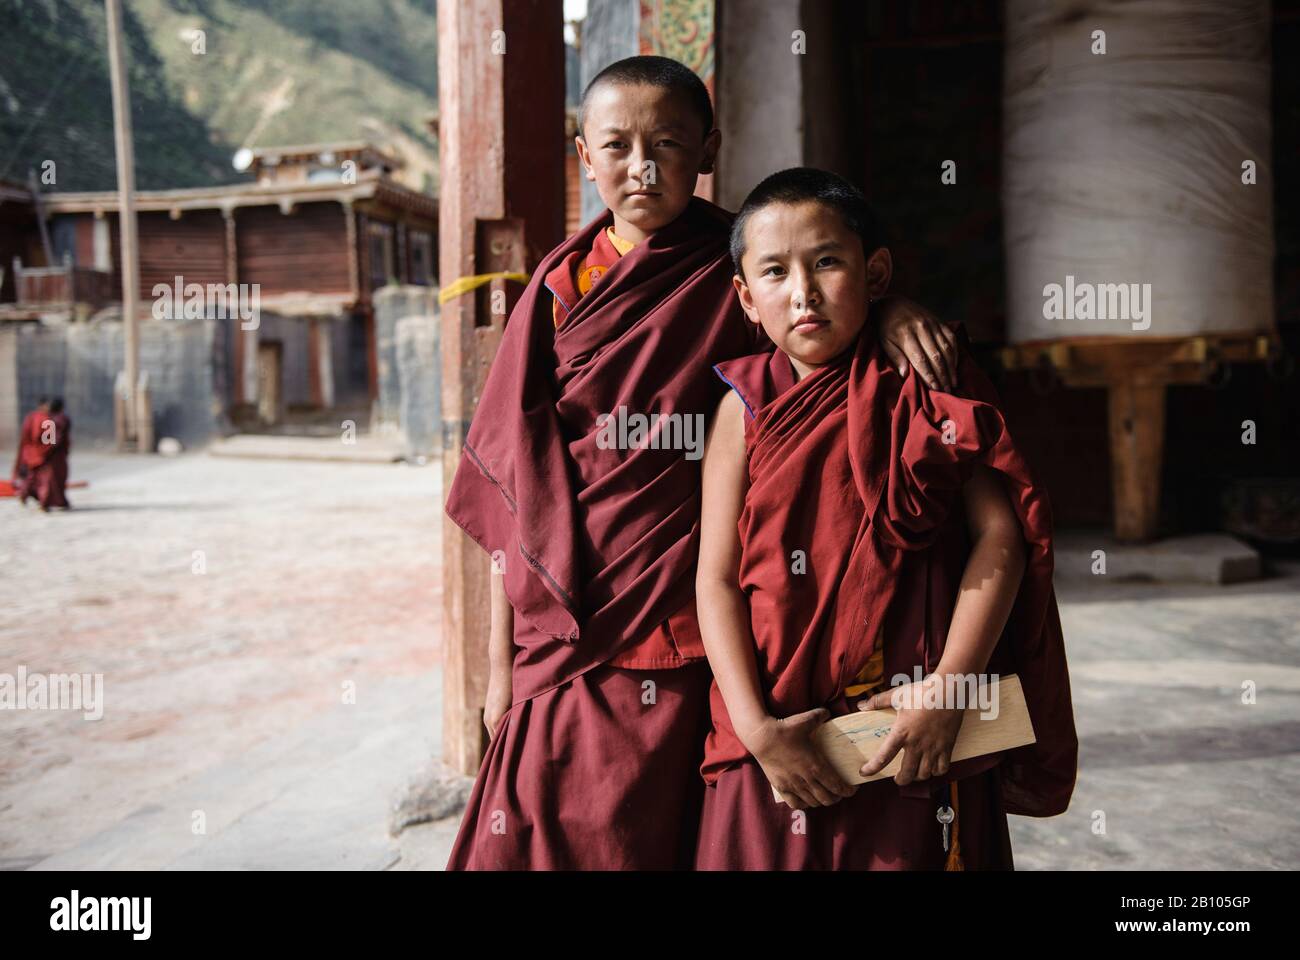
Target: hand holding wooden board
x,y
849,741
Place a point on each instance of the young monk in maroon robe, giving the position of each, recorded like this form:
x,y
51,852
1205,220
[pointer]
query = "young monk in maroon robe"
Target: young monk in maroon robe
x,y
857,526
597,700
43,447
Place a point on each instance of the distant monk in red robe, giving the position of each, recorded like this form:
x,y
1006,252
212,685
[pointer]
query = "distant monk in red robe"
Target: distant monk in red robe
x,y
858,530
597,698
29,443
43,446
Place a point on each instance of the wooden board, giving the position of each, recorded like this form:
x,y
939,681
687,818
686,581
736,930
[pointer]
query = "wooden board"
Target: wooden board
x,y
851,740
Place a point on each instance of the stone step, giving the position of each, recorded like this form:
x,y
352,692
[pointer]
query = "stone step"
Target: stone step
x,y
1214,558
365,449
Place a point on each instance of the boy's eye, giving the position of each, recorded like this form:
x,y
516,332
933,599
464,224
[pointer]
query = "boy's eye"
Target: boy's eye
x,y
773,271
666,143
615,145
827,261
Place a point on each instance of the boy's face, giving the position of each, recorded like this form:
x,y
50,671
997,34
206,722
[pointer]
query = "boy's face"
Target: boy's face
x,y
643,147
807,281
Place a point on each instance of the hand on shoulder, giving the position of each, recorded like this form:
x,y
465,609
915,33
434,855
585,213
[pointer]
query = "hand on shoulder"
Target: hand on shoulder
x,y
913,337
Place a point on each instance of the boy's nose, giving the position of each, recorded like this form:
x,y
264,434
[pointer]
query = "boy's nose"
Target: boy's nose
x,y
805,297
636,165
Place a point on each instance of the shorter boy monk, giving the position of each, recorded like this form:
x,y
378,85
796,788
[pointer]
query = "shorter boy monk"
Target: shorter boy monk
x,y
857,525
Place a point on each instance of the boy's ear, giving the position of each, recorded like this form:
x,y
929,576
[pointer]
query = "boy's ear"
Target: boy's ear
x,y
880,270
711,144
745,297
583,155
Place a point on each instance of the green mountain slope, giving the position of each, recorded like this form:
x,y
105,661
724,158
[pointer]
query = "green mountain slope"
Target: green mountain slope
x,y
272,72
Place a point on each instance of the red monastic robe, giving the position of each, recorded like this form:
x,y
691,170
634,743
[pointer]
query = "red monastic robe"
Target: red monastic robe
x,y
30,449
850,466
44,443
594,765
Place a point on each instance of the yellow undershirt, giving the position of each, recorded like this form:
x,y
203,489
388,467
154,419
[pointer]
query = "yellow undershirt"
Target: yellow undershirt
x,y
871,675
621,245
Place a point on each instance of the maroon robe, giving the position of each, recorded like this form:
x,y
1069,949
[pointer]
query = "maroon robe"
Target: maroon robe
x,y
593,766
45,457
30,449
850,466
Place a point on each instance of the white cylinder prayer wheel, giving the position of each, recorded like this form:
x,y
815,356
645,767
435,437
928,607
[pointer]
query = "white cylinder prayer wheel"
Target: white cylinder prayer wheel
x,y
1137,170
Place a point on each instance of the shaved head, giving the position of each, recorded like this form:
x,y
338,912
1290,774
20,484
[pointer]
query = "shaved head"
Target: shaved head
x,y
661,72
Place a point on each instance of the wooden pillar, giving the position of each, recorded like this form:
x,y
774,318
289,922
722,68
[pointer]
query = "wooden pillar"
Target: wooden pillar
x,y
324,334
125,151
316,395
501,92
365,270
236,325
1137,444
354,263
1135,372
400,269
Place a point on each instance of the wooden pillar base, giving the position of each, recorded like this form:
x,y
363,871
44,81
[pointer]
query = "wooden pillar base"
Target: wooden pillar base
x,y
1135,372
1137,447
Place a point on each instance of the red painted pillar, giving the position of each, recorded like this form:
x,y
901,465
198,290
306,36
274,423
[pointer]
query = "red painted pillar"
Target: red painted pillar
x,y
501,140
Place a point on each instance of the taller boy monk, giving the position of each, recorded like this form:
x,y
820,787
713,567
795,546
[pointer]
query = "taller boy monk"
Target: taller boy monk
x,y
597,701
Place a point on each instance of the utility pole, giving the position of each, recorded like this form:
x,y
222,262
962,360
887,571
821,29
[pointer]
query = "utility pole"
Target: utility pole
x,y
128,414
34,187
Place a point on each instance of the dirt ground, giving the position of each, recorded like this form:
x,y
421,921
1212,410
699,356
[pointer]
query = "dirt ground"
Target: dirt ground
x,y
230,605
265,713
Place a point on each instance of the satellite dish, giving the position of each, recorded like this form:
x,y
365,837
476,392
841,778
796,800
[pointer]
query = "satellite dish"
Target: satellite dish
x,y
243,158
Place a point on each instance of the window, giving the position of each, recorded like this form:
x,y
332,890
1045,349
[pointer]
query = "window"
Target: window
x,y
421,257
381,255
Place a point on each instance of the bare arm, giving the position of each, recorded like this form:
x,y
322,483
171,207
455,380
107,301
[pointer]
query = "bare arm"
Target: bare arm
x,y
987,593
780,745
501,654
723,612
992,577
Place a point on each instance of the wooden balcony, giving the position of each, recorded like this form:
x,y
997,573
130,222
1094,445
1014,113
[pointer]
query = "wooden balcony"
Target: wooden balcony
x,y
62,286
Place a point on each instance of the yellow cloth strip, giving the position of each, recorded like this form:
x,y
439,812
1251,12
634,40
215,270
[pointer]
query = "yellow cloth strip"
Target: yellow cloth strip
x,y
954,861
465,284
871,675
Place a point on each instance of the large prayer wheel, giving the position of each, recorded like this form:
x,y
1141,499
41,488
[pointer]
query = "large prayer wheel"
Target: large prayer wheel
x,y
1141,170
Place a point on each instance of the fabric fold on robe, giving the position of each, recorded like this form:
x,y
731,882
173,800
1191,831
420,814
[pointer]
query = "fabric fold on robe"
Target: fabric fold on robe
x,y
599,544
861,470
593,775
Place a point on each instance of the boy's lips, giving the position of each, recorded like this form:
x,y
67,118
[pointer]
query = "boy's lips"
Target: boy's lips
x,y
810,322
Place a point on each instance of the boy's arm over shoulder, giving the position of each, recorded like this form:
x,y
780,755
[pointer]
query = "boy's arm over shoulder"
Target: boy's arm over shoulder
x,y
961,366
914,339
